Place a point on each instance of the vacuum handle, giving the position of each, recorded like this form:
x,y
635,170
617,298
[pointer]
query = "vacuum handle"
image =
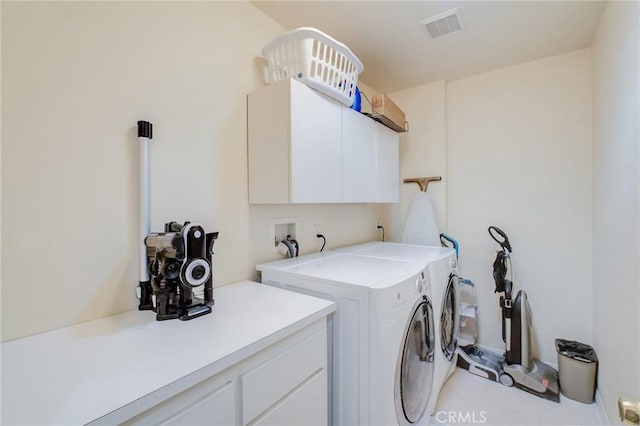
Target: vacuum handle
x,y
210,239
450,242
504,319
500,237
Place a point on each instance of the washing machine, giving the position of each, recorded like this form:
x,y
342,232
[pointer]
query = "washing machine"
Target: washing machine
x,y
382,337
443,271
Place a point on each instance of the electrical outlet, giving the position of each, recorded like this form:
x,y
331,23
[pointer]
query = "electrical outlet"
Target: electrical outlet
x,y
379,227
316,230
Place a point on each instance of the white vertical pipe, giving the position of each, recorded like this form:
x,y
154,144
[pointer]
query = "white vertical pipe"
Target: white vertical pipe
x,y
144,137
145,227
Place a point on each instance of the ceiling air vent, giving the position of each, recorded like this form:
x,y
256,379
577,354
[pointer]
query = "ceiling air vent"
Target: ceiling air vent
x,y
443,23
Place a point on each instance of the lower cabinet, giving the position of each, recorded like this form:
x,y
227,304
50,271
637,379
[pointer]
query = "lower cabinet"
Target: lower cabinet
x,y
285,384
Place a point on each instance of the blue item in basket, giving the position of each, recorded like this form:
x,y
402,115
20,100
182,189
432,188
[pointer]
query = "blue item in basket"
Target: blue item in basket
x,y
357,101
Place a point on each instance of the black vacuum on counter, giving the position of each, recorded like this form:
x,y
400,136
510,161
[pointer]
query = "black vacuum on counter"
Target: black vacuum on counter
x,y
175,262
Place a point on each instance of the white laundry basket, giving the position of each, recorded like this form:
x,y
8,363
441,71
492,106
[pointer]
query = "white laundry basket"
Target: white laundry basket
x,y
316,59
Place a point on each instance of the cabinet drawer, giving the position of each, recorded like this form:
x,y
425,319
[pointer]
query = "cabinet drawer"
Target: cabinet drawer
x,y
306,406
273,380
211,402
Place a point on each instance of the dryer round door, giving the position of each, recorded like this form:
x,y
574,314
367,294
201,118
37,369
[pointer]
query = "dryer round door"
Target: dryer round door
x,y
449,319
414,372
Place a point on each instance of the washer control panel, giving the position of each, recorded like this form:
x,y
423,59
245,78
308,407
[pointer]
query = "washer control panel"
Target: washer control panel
x,y
423,281
411,289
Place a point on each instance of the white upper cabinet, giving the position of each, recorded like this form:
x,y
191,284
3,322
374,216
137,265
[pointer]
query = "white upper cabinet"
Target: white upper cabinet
x,y
295,147
358,157
387,165
316,147
306,148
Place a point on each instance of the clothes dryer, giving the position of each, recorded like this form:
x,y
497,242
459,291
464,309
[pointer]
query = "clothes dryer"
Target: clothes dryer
x,y
442,266
382,337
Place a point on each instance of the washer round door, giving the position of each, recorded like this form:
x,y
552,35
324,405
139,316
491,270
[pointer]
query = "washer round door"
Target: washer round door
x,y
414,371
449,319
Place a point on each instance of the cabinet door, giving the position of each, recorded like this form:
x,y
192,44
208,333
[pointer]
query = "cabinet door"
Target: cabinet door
x,y
358,157
388,165
316,147
211,402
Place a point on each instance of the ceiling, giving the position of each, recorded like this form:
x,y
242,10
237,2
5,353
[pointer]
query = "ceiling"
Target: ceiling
x,y
398,53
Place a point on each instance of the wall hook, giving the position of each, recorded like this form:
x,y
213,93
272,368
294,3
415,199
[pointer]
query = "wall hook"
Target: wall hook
x,y
423,182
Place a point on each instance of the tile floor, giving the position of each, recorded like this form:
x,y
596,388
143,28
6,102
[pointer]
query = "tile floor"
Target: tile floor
x,y
471,399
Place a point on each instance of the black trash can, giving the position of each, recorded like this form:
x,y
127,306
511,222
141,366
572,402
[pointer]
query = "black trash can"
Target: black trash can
x,y
577,367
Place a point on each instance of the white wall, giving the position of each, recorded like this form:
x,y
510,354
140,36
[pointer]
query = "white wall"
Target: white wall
x,y
422,151
514,149
76,77
519,157
616,217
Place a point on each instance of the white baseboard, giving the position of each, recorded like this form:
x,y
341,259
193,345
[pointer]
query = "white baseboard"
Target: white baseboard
x,y
602,412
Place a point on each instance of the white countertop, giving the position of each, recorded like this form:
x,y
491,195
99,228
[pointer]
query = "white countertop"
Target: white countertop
x,y
80,373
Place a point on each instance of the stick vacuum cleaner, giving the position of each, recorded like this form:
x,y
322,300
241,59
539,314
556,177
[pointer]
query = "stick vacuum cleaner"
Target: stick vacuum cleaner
x,y
517,367
173,263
